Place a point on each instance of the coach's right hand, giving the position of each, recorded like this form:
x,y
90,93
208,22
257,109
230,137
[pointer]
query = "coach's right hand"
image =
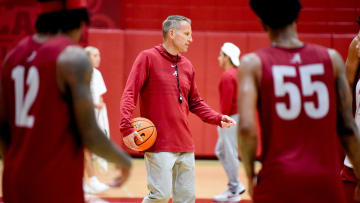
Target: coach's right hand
x,y
130,140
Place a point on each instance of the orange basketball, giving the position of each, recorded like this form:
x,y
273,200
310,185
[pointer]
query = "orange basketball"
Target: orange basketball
x,y
146,130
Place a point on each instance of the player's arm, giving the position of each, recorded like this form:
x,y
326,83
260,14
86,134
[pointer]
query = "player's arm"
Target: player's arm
x,y
4,119
248,77
347,129
352,60
4,123
74,73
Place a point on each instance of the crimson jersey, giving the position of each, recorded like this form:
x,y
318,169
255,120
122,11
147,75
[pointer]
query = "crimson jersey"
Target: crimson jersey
x,y
44,162
297,106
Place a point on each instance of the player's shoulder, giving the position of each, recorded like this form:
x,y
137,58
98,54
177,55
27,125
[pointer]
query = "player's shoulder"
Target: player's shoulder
x,y
58,42
22,45
316,52
250,61
72,54
53,47
60,39
352,51
73,59
336,59
316,47
355,40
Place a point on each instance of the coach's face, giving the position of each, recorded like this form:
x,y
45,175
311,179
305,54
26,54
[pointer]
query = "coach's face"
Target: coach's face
x,y
183,37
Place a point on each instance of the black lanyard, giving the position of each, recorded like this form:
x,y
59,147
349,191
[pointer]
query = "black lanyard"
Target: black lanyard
x,y
178,80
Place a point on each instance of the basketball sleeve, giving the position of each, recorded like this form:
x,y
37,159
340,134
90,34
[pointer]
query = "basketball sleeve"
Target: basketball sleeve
x,y
136,80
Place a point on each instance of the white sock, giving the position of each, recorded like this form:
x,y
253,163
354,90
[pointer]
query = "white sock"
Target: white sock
x,y
96,185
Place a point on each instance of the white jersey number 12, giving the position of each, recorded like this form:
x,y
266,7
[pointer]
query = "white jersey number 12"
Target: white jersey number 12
x,y
23,102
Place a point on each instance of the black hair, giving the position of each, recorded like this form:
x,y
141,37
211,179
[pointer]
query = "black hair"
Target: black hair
x,y
358,20
276,14
61,21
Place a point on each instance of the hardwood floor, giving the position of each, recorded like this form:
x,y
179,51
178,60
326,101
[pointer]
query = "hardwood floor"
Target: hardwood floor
x,y
210,180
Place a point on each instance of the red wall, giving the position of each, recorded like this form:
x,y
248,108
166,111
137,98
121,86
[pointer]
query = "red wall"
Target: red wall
x,y
120,47
327,22
317,16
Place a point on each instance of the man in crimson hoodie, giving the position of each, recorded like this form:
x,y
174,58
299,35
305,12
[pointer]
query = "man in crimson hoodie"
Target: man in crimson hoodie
x,y
165,81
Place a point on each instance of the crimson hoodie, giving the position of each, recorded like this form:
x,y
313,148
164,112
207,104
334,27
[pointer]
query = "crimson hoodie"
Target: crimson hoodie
x,y
153,78
228,91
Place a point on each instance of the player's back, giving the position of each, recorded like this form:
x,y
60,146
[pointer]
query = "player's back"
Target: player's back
x,y
44,162
297,105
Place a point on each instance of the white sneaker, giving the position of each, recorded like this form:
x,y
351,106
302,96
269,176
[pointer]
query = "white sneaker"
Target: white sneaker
x,y
228,196
97,186
87,189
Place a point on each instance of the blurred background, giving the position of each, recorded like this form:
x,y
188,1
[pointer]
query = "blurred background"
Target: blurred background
x,y
122,28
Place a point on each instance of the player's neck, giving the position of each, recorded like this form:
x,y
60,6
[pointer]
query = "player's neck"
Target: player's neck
x,y
286,37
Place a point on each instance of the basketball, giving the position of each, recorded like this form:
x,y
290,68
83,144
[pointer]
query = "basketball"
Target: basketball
x,y
146,130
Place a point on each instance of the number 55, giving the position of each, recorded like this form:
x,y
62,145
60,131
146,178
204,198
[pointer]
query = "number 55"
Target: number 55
x,y
309,88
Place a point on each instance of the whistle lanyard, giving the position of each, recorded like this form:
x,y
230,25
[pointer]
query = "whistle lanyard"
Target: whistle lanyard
x,y
178,80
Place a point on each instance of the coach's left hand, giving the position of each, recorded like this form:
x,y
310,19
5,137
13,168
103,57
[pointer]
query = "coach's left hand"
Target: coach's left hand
x,y
227,121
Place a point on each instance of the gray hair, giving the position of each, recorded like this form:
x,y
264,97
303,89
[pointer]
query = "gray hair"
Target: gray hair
x,y
89,49
173,22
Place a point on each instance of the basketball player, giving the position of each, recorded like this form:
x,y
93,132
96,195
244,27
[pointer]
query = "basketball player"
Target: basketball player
x,y
226,147
304,106
164,80
98,89
353,59
353,75
46,111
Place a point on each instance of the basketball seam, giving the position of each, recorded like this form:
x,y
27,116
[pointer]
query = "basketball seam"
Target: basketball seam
x,y
142,120
148,137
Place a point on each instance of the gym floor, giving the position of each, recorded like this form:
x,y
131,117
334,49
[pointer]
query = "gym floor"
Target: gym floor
x,y
210,180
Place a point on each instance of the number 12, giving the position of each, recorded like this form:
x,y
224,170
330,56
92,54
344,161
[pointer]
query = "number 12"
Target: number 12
x,y
22,106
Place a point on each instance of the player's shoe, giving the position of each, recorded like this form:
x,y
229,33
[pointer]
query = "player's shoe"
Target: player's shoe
x,y
87,189
229,196
97,186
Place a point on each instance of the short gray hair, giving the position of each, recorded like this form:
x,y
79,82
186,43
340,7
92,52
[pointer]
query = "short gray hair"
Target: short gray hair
x,y
173,22
89,49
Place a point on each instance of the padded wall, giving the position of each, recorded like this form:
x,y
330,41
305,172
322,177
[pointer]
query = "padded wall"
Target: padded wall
x,y
119,49
327,22
317,16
